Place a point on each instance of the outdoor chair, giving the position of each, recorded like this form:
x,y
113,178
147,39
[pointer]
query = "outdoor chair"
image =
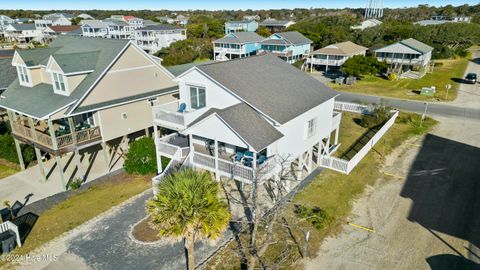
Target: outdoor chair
x,y
182,107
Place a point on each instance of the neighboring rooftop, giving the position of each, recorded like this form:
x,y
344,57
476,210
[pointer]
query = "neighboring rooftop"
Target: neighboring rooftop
x,y
240,38
274,22
40,100
346,48
410,43
179,69
294,37
160,27
23,26
64,28
7,72
242,21
270,85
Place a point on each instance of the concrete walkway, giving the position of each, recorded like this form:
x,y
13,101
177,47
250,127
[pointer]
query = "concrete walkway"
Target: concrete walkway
x,y
29,183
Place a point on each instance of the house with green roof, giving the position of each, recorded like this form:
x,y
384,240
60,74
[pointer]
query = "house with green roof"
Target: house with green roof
x,y
236,45
406,55
83,93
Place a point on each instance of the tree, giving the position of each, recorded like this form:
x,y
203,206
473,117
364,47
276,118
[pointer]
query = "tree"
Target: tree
x,y
188,206
363,65
186,51
263,31
141,157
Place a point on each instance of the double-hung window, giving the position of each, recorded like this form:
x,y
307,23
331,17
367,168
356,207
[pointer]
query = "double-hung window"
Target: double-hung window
x,y
59,83
311,127
197,97
23,75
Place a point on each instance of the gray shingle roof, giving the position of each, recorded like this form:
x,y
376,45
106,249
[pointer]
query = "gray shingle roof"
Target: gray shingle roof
x,y
40,100
417,45
243,21
240,37
247,123
179,69
273,22
23,26
294,37
8,72
37,56
75,62
159,27
269,84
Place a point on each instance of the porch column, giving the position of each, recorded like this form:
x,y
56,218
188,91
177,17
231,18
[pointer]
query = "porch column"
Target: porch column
x,y
38,154
106,155
155,132
57,157
217,177
147,133
11,119
75,145
254,166
319,153
192,149
326,66
310,159
336,135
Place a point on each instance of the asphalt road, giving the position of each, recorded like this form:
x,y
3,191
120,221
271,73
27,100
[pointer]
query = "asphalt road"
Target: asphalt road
x,y
434,109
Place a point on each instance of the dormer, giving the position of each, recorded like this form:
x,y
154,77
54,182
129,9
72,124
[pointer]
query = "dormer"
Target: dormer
x,y
67,71
23,72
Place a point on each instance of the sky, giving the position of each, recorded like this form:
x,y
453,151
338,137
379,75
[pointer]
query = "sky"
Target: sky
x,y
212,4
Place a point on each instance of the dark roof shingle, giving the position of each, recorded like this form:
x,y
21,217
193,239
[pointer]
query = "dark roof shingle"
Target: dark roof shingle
x,y
270,85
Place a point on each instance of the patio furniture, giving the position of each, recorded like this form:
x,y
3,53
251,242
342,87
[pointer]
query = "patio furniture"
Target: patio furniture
x,y
238,156
222,148
182,107
261,159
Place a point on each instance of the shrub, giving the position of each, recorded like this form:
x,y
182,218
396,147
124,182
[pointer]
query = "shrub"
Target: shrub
x,y
141,157
7,146
379,115
75,183
318,217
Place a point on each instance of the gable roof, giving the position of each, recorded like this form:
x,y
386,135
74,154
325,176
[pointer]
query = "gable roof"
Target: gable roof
x,y
344,48
247,123
291,37
407,46
179,69
95,23
240,37
40,101
77,62
64,28
274,22
8,72
243,21
269,84
417,45
23,26
160,27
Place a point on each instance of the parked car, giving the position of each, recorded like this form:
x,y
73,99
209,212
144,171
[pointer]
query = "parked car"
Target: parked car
x,y
471,78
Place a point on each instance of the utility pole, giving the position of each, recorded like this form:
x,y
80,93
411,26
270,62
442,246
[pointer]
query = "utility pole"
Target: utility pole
x,y
447,87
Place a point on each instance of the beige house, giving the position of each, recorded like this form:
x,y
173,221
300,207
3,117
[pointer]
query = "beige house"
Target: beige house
x,y
334,55
83,92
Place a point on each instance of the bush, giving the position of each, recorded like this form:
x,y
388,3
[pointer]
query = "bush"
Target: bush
x,y
7,146
378,117
141,157
363,65
318,217
75,183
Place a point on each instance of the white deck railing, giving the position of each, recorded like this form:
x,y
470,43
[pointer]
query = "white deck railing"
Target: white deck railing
x,y
346,166
8,225
351,107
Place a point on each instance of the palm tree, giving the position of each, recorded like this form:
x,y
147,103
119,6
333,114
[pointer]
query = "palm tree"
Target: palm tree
x,y
188,206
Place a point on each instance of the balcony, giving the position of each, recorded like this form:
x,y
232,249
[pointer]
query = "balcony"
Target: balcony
x,y
168,115
40,136
229,50
391,60
177,148
146,38
283,53
325,62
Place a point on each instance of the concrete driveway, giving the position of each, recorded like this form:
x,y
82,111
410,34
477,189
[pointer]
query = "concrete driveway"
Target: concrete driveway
x,y
426,217
469,94
29,183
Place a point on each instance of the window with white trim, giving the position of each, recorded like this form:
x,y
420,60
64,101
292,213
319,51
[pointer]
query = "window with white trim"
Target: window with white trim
x,y
197,97
311,127
59,83
24,75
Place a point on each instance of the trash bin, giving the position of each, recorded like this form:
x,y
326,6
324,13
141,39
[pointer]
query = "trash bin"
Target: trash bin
x,y
8,241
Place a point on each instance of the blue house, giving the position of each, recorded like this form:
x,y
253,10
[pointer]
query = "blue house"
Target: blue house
x,y
236,45
240,26
289,46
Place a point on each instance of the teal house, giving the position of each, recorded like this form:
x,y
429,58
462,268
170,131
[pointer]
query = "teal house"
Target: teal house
x,y
240,26
236,45
289,46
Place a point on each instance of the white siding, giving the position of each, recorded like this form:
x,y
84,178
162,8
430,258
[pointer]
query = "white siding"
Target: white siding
x,y
216,96
294,142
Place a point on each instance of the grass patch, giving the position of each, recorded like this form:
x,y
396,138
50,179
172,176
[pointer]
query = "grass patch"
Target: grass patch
x,y
327,201
449,72
82,207
7,168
